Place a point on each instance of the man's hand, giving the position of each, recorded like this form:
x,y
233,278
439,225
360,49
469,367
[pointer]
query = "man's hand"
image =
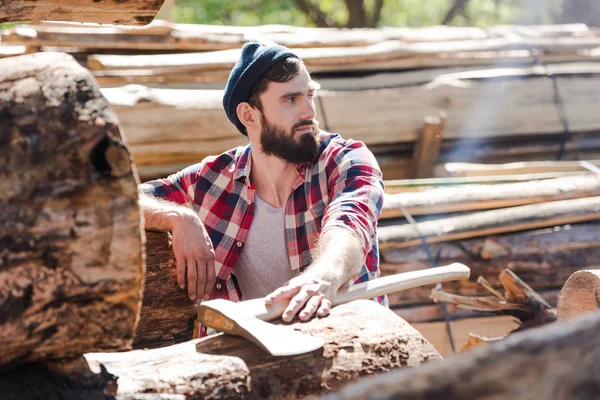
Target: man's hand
x,y
195,256
308,291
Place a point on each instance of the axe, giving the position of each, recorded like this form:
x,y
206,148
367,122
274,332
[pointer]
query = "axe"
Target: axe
x,y
248,318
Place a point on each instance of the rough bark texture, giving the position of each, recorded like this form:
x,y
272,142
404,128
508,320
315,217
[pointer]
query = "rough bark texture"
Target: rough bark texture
x,y
580,294
361,338
167,315
558,361
543,258
71,267
127,12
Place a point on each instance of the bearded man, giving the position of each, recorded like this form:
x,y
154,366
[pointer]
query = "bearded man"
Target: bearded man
x,y
291,216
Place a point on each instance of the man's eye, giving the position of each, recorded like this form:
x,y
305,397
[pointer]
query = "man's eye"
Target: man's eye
x,y
311,95
290,100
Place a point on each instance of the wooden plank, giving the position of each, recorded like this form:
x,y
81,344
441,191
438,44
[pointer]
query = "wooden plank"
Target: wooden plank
x,y
487,223
396,186
427,147
531,167
128,12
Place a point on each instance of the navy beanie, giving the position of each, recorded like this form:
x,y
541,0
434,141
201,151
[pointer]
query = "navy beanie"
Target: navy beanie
x,y
255,61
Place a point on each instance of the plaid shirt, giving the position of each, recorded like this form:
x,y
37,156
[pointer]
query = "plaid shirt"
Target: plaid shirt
x,y
342,187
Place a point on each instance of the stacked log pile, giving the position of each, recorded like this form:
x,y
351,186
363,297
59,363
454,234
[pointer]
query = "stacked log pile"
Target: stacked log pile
x,y
529,217
496,100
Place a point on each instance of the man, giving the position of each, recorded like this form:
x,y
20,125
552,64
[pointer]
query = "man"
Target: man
x,y
291,216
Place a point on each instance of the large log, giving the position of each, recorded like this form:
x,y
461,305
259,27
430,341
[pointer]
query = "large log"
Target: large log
x,y
557,361
127,12
167,316
71,265
543,258
361,338
580,294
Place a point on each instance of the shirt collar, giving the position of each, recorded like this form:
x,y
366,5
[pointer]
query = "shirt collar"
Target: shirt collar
x,y
243,165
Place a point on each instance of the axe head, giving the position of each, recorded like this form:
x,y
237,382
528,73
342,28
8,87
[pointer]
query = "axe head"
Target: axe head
x,y
278,340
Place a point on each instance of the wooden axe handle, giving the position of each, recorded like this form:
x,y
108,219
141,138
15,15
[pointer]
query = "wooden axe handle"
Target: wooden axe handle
x,y
368,290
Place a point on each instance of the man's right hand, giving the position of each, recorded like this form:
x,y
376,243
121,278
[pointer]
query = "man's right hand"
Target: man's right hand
x,y
194,255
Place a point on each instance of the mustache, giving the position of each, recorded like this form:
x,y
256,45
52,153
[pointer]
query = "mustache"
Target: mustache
x,y
299,124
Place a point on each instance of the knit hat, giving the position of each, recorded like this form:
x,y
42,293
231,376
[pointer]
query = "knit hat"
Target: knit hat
x,y
255,61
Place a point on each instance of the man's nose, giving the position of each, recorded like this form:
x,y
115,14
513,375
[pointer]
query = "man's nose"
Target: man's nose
x,y
308,110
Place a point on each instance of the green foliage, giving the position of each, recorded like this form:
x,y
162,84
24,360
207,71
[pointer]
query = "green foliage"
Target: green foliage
x,y
411,13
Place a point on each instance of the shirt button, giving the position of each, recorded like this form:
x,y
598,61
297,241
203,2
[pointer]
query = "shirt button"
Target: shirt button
x,y
218,286
203,329
248,201
239,244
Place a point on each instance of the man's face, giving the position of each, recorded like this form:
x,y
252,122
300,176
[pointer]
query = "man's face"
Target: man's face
x,y
289,128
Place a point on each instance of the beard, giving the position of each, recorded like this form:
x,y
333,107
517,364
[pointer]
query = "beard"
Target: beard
x,y
277,142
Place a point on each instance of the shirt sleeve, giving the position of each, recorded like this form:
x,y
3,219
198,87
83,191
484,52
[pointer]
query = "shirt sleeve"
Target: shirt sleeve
x,y
355,192
178,188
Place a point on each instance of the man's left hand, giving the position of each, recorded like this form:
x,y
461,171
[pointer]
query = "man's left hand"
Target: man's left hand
x,y
307,292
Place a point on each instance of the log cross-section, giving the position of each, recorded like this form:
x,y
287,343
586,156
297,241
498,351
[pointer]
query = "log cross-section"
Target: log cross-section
x,y
71,266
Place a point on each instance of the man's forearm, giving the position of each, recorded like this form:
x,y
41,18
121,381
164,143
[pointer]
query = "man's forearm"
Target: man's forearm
x,y
160,214
341,256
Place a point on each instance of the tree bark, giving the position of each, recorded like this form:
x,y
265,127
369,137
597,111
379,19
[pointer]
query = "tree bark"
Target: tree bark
x,y
557,361
128,12
580,294
361,338
71,266
167,315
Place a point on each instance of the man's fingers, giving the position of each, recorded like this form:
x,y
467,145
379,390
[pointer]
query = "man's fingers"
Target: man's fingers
x,y
191,277
210,278
180,271
295,305
325,308
284,292
311,307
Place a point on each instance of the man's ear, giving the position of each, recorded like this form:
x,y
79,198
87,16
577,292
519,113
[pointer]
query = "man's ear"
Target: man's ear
x,y
248,116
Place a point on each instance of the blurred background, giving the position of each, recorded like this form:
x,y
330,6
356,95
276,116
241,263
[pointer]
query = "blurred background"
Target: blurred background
x,y
378,13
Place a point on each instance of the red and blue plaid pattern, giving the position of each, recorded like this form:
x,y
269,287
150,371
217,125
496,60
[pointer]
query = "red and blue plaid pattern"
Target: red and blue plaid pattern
x,y
343,187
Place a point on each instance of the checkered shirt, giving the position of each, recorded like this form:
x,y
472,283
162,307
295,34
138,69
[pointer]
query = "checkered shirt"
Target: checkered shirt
x,y
341,188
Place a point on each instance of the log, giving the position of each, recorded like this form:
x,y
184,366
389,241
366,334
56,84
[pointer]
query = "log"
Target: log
x,y
492,222
557,361
361,338
71,265
543,258
168,315
476,170
395,186
484,197
580,294
128,12
164,36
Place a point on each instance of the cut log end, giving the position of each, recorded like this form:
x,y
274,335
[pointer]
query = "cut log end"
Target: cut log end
x,y
580,294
